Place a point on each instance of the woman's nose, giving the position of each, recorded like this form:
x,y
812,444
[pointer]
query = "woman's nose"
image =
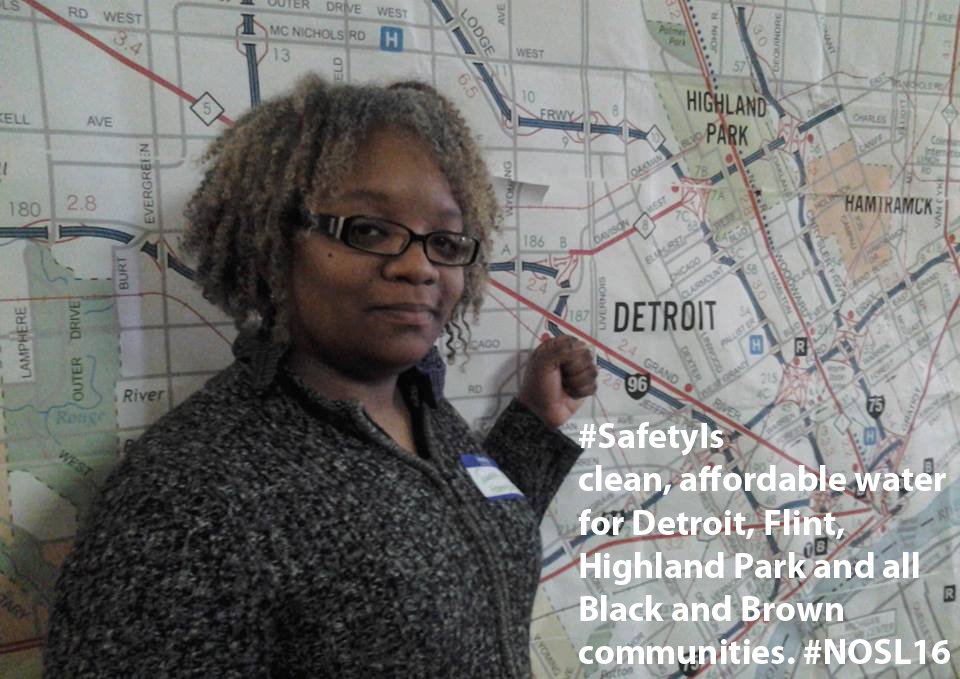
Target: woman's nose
x,y
412,265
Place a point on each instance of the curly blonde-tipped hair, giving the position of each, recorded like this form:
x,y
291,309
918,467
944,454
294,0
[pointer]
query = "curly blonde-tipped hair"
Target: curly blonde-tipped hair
x,y
242,219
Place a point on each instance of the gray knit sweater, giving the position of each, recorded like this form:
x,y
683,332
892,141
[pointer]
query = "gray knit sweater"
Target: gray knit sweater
x,y
262,530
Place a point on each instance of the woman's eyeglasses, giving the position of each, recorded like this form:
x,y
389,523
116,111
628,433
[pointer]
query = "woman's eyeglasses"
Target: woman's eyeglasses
x,y
383,237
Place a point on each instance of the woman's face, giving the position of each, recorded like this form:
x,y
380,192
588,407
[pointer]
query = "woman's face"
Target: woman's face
x,y
365,314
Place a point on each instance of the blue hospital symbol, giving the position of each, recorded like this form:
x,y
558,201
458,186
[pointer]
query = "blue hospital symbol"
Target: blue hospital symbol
x,y
391,39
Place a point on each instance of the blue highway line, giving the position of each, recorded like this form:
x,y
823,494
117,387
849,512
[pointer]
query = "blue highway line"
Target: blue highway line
x,y
539,268
96,232
447,17
776,143
868,314
820,117
497,97
463,41
180,267
672,401
606,129
561,305
761,317
802,218
24,232
931,262
610,367
883,455
708,237
826,286
760,415
793,504
770,338
755,63
756,155
701,416
809,243
550,124
817,453
896,289
253,73
803,173
848,350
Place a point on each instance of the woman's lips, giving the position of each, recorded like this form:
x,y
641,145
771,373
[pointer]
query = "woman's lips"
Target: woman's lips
x,y
412,314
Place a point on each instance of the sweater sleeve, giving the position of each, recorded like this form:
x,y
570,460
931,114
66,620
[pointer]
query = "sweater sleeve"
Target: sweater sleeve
x,y
534,455
163,581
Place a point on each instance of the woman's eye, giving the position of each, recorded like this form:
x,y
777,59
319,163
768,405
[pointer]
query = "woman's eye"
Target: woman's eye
x,y
368,229
370,233
445,244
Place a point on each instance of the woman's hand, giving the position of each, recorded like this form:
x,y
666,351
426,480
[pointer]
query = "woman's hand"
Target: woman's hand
x,y
559,376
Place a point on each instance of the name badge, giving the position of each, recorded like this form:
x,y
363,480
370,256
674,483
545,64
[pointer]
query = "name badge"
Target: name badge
x,y
487,476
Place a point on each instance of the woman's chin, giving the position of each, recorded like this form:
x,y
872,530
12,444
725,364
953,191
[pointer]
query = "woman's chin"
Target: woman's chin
x,y
402,354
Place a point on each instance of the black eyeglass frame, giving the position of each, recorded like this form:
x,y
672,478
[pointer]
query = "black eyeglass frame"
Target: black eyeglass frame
x,y
338,227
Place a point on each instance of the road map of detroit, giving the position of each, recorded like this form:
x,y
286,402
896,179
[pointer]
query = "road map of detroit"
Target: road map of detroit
x,y
746,208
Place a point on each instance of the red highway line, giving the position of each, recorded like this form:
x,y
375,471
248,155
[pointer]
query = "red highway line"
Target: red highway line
x,y
22,645
35,221
163,82
627,232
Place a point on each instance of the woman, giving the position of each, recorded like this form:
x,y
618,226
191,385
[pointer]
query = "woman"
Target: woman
x,y
318,508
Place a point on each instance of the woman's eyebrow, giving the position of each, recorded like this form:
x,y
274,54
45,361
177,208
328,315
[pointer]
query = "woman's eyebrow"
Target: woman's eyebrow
x,y
377,197
450,213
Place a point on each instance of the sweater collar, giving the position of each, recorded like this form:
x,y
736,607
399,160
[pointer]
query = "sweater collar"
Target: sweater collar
x,y
262,360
